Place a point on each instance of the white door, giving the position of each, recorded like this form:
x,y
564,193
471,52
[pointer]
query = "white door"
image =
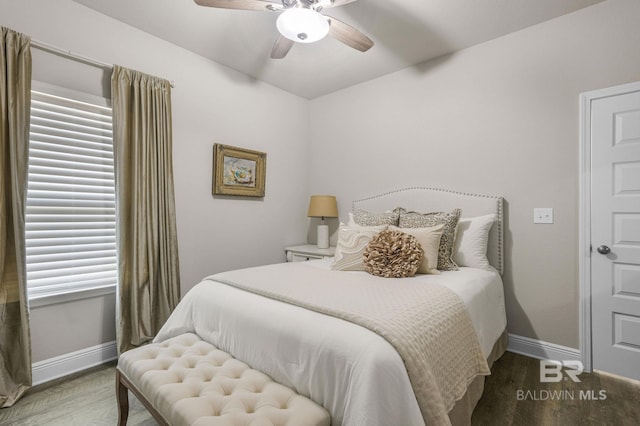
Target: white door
x,y
615,233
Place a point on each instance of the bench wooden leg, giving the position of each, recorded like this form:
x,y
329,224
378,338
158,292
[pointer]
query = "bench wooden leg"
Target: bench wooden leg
x,y
122,395
123,386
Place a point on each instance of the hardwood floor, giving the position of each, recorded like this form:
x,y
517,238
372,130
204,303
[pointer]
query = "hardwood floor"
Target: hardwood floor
x,y
513,396
84,399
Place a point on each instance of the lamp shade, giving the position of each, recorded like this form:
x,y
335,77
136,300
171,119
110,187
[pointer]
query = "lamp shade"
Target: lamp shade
x,y
323,206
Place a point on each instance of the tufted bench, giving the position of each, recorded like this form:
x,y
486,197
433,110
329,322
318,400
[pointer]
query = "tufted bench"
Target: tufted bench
x,y
187,381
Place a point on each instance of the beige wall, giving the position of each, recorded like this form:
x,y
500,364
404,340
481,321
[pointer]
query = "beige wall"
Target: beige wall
x,y
72,326
211,103
500,118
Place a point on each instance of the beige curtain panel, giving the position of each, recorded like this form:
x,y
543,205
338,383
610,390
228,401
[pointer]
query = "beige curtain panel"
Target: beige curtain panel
x,y
148,272
15,104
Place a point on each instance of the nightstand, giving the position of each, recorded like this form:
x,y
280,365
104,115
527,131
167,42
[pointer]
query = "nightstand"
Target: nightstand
x,y
306,252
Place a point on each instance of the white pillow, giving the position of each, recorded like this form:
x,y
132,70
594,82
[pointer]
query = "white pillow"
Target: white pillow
x,y
351,221
429,239
472,236
352,242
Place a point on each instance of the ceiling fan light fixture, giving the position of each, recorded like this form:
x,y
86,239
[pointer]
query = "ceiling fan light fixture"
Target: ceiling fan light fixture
x,y
302,25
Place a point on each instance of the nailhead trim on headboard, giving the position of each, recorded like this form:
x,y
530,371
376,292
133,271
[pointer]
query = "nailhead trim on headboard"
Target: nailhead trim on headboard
x,y
499,208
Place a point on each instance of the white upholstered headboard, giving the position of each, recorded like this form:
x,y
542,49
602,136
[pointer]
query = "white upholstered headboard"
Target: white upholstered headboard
x,y
432,199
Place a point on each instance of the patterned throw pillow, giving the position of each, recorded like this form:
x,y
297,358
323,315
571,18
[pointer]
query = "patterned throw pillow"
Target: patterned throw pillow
x,y
424,220
365,218
393,254
352,241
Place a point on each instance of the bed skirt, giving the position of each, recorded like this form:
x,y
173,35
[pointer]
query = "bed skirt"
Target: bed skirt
x,y
460,414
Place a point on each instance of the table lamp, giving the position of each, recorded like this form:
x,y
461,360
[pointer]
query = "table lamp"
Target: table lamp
x,y
323,206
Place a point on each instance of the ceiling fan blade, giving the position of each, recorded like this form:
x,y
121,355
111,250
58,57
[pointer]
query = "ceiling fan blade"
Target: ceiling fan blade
x,y
281,47
260,5
348,35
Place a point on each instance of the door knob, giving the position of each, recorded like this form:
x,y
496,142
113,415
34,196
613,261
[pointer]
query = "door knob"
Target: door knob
x,y
604,249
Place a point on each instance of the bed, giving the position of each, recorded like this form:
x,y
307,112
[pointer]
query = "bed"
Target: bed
x,y
269,317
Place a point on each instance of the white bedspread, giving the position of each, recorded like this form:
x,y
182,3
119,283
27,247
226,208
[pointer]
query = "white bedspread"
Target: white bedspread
x,y
351,371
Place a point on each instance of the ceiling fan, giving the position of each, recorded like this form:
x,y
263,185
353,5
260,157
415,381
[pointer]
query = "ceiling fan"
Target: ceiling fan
x,y
300,21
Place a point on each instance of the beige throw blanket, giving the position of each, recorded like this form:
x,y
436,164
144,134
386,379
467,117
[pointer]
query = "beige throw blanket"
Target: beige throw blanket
x,y
426,323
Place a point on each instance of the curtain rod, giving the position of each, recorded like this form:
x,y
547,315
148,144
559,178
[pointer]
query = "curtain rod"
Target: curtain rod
x,y
69,54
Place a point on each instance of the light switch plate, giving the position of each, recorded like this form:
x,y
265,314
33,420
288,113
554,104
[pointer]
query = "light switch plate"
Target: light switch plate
x,y
543,215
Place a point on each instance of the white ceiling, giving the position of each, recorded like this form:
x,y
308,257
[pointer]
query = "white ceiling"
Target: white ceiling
x,y
405,32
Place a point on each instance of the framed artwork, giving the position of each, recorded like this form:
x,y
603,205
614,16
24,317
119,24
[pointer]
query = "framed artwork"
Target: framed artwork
x,y
238,171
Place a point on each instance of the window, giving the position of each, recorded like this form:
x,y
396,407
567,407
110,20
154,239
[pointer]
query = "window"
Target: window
x,y
70,218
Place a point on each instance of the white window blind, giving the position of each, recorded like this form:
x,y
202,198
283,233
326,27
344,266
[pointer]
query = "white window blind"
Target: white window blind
x,y
70,218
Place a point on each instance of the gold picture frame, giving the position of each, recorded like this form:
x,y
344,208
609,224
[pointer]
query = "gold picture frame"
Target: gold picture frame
x,y
238,171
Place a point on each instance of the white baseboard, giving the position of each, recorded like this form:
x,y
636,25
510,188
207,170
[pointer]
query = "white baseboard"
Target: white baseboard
x,y
63,365
541,350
